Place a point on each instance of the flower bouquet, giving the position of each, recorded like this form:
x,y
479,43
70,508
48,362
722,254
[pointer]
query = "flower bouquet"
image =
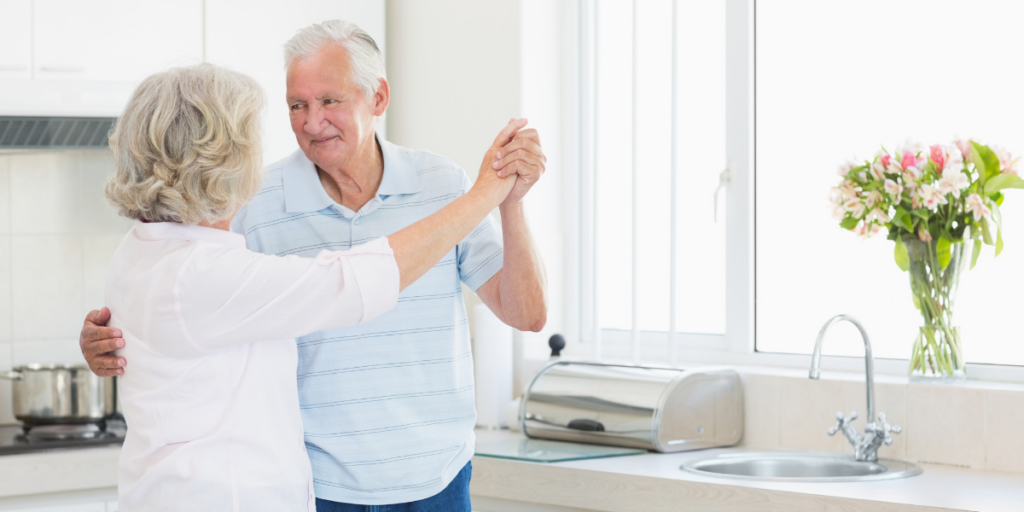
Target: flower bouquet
x,y
933,202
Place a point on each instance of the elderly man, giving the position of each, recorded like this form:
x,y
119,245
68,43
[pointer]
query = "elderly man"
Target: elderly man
x,y
387,406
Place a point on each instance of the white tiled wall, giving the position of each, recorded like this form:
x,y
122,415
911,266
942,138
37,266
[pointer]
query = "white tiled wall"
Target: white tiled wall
x,y
975,425
57,236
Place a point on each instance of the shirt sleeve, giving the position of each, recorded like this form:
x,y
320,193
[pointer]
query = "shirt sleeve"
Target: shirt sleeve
x,y
229,296
481,254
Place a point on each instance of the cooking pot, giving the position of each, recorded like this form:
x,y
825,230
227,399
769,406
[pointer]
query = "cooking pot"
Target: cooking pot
x,y
46,394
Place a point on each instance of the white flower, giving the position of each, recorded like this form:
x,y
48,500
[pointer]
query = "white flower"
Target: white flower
x,y
878,215
954,159
1007,164
845,168
856,207
953,183
911,173
894,189
931,197
976,205
874,197
839,211
878,171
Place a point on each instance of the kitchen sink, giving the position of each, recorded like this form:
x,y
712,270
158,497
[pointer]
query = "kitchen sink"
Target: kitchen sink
x,y
800,467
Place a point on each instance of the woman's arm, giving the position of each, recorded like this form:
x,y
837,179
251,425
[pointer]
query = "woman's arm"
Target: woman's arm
x,y
232,296
421,245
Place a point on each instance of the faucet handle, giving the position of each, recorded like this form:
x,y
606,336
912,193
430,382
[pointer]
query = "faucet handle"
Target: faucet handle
x,y
842,422
884,428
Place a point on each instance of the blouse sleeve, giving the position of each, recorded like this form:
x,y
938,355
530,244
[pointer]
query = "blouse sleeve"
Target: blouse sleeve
x,y
228,296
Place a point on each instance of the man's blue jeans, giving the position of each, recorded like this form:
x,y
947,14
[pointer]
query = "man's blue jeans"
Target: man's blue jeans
x,y
454,498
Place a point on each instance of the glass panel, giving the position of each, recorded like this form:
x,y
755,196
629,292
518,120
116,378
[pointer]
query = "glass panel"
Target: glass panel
x,y
836,81
701,241
614,163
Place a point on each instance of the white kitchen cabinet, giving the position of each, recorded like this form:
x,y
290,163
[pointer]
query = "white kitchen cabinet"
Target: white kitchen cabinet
x,y
249,35
15,38
114,40
97,506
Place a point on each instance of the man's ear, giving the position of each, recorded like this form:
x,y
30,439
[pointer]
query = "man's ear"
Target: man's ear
x,y
381,98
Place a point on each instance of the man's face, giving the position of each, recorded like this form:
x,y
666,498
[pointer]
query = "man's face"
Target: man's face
x,y
332,120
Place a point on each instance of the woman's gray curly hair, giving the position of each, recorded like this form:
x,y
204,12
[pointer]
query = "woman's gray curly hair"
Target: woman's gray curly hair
x,y
187,148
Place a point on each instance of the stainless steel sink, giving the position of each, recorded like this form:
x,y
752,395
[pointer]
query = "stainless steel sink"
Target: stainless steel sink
x,y
801,467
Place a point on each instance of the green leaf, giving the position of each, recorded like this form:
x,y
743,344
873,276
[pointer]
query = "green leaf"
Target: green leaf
x,y
849,223
979,163
921,212
902,219
900,253
986,235
999,241
990,167
976,252
942,249
1001,182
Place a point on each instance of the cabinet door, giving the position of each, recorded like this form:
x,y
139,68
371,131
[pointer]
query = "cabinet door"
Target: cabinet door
x,y
15,38
77,507
115,40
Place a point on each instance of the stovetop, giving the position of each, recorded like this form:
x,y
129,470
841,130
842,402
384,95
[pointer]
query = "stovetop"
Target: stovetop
x,y
14,438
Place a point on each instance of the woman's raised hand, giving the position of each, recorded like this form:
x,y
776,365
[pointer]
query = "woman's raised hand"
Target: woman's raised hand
x,y
495,188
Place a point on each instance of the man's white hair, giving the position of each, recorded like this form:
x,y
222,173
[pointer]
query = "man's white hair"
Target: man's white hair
x,y
365,59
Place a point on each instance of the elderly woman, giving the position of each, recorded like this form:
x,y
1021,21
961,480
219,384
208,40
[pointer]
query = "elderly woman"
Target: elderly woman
x,y
211,399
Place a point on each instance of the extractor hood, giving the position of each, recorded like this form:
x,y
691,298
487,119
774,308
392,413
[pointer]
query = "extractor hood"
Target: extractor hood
x,y
46,132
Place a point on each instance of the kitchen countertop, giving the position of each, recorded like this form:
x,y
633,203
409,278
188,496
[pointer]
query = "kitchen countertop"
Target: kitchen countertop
x,y
653,482
649,482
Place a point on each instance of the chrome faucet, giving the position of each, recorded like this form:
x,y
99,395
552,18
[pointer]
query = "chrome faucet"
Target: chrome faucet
x,y
865,446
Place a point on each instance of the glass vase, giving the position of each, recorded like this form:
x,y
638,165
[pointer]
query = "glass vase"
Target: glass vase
x,y
937,355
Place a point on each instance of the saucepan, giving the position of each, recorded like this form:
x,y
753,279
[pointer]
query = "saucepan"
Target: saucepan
x,y
47,394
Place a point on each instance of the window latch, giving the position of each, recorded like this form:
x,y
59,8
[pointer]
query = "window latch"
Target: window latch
x,y
724,178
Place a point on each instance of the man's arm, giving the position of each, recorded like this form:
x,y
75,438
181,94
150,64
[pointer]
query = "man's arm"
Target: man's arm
x,y
98,343
517,294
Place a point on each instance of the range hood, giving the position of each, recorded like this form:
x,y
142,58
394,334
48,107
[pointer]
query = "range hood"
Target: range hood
x,y
46,132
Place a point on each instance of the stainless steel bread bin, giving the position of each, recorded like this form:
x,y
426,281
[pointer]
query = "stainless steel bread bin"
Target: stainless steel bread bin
x,y
667,410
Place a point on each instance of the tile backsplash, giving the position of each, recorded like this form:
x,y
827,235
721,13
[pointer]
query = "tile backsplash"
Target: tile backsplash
x,y
973,425
57,237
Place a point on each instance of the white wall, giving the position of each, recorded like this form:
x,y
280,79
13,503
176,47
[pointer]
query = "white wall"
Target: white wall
x,y
459,70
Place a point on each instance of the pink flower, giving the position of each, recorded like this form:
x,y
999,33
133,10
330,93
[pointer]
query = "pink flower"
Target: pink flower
x,y
923,234
965,148
939,157
976,205
885,159
908,160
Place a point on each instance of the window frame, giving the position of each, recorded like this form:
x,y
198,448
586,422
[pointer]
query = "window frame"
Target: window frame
x,y
737,346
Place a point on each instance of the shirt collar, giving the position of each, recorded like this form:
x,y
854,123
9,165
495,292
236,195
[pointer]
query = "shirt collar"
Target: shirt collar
x,y
174,230
303,191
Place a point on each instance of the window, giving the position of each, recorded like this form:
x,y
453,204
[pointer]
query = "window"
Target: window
x,y
628,78
836,81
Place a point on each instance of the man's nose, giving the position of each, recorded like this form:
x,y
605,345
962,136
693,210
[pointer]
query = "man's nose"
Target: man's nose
x,y
315,122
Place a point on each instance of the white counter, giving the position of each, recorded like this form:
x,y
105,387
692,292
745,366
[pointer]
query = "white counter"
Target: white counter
x,y
72,480
654,482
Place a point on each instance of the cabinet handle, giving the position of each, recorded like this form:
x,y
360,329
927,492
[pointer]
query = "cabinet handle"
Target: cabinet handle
x,y
13,68
62,69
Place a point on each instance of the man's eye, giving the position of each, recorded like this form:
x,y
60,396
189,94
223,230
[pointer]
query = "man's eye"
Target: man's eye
x,y
328,102
296,106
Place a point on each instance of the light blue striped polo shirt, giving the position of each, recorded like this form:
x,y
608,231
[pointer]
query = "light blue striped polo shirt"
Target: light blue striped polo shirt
x,y
387,405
